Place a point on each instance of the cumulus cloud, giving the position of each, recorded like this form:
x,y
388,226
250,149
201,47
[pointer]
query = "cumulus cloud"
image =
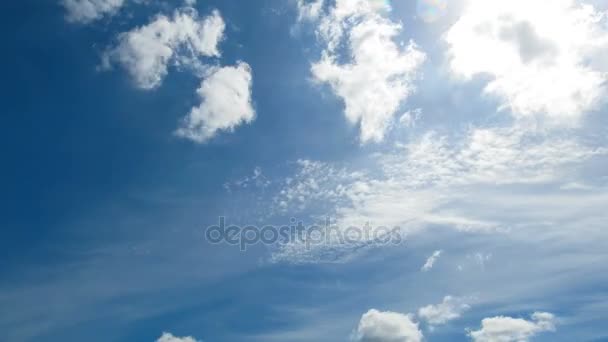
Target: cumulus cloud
x,y
508,329
378,326
449,309
430,262
543,58
225,104
380,74
168,337
182,39
85,11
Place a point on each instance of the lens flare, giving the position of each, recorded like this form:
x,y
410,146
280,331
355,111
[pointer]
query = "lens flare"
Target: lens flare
x,y
431,10
380,5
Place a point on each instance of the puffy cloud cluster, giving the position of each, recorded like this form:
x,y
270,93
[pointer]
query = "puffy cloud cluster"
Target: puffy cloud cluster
x,y
85,11
545,59
147,51
508,329
183,40
387,326
379,326
225,104
168,337
379,74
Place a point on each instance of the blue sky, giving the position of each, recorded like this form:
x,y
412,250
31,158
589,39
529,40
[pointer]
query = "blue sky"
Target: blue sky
x,y
474,129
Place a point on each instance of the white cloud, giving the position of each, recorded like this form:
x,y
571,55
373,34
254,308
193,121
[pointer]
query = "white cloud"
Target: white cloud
x,y
225,104
488,155
309,10
314,182
255,181
182,40
508,329
543,58
438,180
168,337
480,259
380,74
146,52
377,326
451,308
430,262
85,11
409,118
575,186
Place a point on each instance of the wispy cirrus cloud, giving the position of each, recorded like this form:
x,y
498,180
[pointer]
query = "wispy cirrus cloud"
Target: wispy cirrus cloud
x,y
438,180
430,262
